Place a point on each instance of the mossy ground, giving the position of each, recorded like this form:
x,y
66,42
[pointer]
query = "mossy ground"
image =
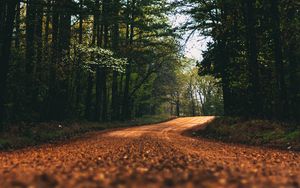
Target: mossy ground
x,y
20,135
253,132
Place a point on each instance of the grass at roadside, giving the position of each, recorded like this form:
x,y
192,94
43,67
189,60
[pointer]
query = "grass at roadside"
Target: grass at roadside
x,y
22,135
253,132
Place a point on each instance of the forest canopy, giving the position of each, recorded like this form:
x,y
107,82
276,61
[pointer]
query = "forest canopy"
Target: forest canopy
x,y
97,60
254,50
107,60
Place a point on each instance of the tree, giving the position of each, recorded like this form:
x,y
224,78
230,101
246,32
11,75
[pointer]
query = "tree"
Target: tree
x,y
254,88
252,67
7,15
68,61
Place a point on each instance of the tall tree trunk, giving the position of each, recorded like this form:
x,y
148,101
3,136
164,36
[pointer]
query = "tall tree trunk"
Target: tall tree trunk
x,y
115,96
292,49
201,97
65,99
61,36
100,35
78,74
52,95
115,48
30,45
39,34
88,104
106,17
191,95
279,67
18,22
8,11
47,26
3,7
65,27
121,83
96,18
126,107
126,101
98,108
88,101
40,64
254,88
80,37
177,105
223,59
30,53
98,94
104,94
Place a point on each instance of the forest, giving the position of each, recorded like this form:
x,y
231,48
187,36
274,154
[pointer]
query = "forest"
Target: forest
x,y
255,52
107,60
116,60
149,93
95,60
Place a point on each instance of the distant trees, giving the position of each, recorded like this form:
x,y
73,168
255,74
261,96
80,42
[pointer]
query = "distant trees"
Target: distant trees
x,y
85,59
209,93
188,94
255,52
117,59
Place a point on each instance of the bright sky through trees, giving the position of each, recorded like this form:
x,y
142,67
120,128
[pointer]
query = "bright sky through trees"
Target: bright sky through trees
x,y
195,44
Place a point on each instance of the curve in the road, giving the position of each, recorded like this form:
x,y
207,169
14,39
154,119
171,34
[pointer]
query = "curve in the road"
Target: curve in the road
x,y
149,156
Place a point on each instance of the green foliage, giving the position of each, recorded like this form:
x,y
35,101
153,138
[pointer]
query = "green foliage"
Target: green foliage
x,y
251,52
98,57
254,132
75,60
4,143
193,94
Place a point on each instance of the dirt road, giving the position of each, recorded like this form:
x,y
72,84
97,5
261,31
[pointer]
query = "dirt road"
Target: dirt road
x,y
149,156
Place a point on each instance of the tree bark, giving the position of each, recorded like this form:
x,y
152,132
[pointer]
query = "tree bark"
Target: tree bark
x,y
254,88
30,44
115,48
98,94
52,95
292,48
126,108
78,72
279,67
18,21
105,16
88,101
8,13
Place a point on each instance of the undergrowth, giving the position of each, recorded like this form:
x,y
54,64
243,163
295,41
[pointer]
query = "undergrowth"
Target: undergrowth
x,y
253,132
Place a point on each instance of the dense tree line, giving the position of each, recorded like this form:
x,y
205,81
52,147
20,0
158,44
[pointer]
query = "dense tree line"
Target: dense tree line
x,y
189,94
82,59
254,50
104,60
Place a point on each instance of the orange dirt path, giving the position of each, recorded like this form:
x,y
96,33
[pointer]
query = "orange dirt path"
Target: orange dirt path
x,y
157,155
